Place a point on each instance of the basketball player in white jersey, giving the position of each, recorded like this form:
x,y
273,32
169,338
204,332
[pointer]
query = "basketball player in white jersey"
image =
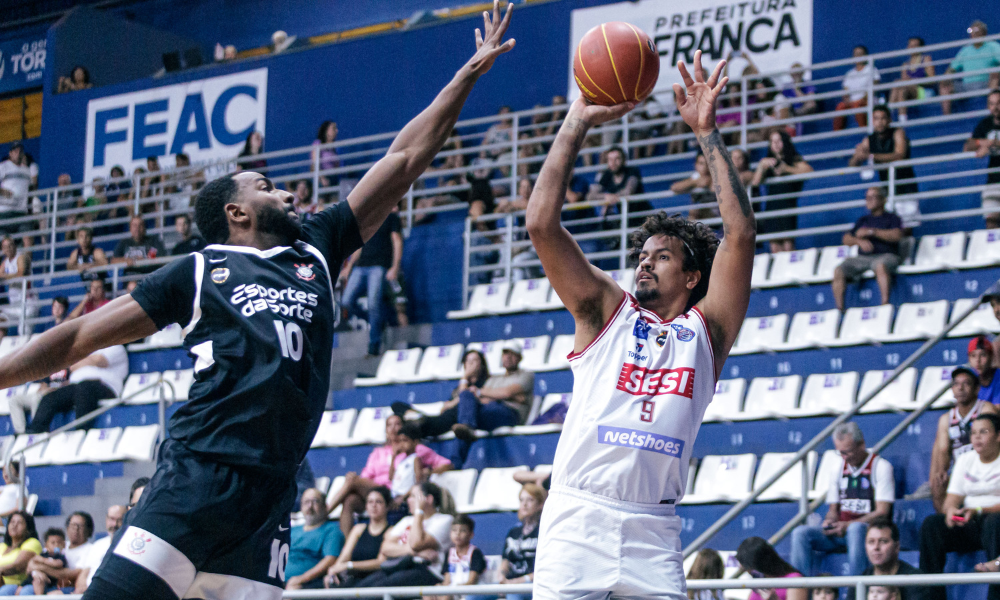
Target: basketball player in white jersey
x,y
644,366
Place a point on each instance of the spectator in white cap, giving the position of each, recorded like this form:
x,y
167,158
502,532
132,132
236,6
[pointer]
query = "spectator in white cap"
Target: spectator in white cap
x,y
503,401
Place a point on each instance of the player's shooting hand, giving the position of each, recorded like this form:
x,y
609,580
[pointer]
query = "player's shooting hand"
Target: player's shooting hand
x,y
489,41
594,114
697,102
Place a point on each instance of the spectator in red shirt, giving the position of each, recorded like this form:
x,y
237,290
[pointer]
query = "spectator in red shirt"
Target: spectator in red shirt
x,y
96,297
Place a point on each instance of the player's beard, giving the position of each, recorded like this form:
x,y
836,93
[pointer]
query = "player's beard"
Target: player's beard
x,y
278,222
645,295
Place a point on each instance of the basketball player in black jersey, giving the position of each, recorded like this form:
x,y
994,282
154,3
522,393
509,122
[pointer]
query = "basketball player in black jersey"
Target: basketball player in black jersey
x,y
257,311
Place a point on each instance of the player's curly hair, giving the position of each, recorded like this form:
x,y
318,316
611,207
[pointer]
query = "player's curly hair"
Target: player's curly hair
x,y
700,244
209,208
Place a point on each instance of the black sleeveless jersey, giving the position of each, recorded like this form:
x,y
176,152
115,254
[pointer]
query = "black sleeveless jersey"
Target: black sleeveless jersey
x,y
259,326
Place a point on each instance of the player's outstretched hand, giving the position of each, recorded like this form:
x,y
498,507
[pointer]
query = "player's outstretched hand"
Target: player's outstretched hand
x,y
595,114
697,103
489,41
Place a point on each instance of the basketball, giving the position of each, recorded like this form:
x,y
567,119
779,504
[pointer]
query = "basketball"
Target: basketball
x,y
616,62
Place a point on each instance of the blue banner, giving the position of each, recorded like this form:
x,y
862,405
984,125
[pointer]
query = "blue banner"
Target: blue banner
x,y
22,64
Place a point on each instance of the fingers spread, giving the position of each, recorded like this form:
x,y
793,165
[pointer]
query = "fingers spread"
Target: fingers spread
x,y
679,95
716,73
479,38
685,76
487,25
699,71
721,86
506,18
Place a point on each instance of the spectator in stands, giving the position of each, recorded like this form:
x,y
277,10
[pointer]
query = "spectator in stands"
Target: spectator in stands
x,y
886,145
520,202
360,555
13,268
85,254
982,360
707,565
134,494
79,79
475,374
327,158
368,269
616,181
782,160
952,439
799,91
985,141
856,83
61,572
499,132
828,593
10,491
189,241
971,519
699,186
425,536
651,110
918,66
26,403
518,564
138,246
229,53
253,146
882,549
466,563
315,546
760,559
376,473
97,296
976,56
60,308
862,490
15,180
20,545
98,549
100,376
303,202
406,469
118,188
877,237
765,92
52,553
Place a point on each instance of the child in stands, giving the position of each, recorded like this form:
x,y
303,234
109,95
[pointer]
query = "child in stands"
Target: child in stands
x,y
407,469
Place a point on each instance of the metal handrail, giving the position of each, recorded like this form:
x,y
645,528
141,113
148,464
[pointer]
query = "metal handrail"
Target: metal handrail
x,y
821,437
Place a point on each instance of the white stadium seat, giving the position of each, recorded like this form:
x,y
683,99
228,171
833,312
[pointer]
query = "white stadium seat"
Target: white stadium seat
x,y
33,455
772,397
181,380
918,320
828,393
812,330
493,351
487,298
761,333
496,490
830,258
536,349
897,396
862,325
551,400
335,428
562,345
427,409
723,479
441,362
761,264
727,403
789,485
460,483
790,268
554,302
335,486
932,379
984,248
138,442
625,278
828,465
64,448
134,391
370,425
937,252
99,445
981,320
529,295
395,366
170,336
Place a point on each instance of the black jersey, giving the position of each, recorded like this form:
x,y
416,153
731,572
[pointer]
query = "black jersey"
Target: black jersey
x,y
259,326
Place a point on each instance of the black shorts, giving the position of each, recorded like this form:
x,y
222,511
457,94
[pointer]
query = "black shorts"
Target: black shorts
x,y
201,530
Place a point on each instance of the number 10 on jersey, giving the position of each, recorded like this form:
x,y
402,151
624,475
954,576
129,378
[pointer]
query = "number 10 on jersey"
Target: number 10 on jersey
x,y
290,339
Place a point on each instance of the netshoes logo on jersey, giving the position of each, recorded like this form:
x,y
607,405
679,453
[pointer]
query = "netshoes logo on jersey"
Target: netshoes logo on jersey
x,y
289,301
641,440
640,381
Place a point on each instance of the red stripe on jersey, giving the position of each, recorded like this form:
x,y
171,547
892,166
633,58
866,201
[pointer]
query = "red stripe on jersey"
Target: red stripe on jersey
x,y
711,344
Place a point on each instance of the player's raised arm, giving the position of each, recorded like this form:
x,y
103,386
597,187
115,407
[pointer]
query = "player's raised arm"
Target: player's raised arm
x,y
416,145
121,321
725,304
588,293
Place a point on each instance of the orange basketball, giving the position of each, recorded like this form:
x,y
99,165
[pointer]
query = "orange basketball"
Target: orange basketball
x,y
616,62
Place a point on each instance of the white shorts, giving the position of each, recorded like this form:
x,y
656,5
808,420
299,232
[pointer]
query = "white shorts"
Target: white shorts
x,y
591,547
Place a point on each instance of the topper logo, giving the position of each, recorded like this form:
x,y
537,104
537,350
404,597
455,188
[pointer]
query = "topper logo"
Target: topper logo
x,y
776,384
640,381
991,237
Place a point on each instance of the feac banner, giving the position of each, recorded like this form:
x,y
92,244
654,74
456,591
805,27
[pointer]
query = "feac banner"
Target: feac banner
x,y
773,33
207,119
22,64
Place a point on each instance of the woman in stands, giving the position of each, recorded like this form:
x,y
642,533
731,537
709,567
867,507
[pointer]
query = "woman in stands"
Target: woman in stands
x,y
327,156
85,255
918,66
782,160
518,564
20,545
760,559
360,555
253,146
707,565
475,372
741,160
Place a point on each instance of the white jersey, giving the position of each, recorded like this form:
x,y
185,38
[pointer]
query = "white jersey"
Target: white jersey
x,y
639,394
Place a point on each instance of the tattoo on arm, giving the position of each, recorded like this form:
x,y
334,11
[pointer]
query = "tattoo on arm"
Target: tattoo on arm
x,y
714,148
